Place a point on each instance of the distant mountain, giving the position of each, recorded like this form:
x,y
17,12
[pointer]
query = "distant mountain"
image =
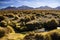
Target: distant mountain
x,y
17,8
25,7
9,8
57,8
44,8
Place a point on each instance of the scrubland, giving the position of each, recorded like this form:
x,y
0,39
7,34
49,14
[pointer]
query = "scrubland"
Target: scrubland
x,y
26,24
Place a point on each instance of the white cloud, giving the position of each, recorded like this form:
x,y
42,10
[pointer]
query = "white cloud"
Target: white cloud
x,y
32,3
41,3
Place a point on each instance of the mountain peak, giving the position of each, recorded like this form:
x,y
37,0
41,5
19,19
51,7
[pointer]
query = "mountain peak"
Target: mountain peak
x,y
9,7
44,8
25,7
58,8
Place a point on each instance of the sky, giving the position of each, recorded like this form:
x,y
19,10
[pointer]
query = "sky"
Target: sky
x,y
31,3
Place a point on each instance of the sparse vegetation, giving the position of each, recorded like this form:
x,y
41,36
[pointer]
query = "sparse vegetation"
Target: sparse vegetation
x,y
28,21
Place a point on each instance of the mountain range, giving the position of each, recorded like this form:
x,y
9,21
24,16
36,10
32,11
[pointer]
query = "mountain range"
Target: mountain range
x,y
27,7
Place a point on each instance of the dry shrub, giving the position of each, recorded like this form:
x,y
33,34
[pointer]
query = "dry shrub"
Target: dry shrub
x,y
55,36
6,30
52,35
2,32
3,24
1,18
9,29
34,37
39,37
50,25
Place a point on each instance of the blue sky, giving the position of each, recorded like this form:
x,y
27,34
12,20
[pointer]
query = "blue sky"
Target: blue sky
x,y
31,3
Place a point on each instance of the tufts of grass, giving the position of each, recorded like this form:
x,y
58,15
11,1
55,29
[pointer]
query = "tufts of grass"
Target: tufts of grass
x,y
2,32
